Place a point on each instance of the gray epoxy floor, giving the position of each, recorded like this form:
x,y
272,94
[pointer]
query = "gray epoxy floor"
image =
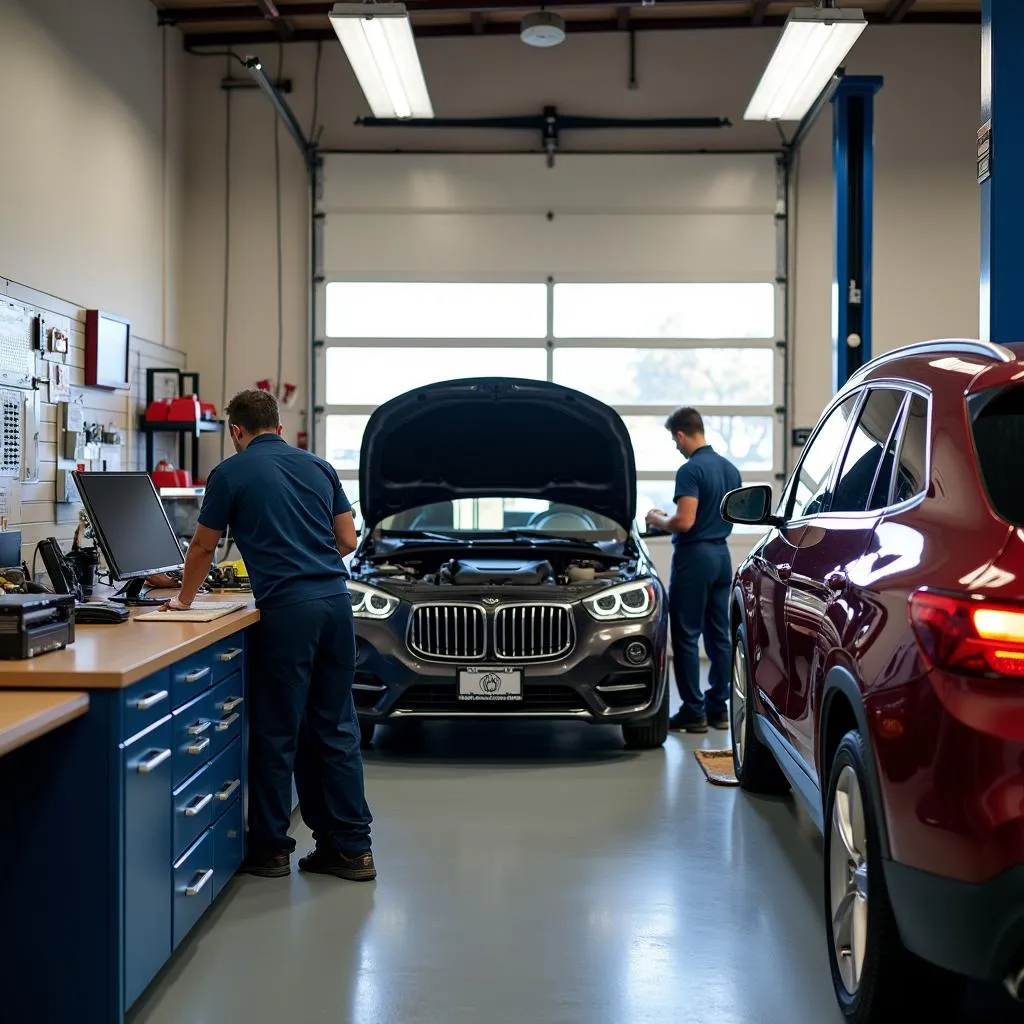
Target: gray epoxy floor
x,y
531,874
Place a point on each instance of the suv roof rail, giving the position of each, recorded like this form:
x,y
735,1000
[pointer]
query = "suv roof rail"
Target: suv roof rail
x,y
945,346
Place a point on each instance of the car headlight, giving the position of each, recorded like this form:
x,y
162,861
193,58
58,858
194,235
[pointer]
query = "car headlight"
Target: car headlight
x,y
630,601
370,603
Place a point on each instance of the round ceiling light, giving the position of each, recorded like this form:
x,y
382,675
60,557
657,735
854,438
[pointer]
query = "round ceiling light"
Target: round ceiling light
x,y
542,29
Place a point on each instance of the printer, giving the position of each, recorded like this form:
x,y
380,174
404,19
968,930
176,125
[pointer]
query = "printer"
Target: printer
x,y
32,624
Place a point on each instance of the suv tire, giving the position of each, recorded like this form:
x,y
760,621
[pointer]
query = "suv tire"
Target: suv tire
x,y
875,978
755,766
650,733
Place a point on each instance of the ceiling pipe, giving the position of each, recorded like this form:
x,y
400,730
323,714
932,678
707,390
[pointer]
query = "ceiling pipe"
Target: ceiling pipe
x,y
199,40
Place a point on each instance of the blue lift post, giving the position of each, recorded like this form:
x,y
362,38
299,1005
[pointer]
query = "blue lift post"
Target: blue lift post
x,y
853,129
1001,170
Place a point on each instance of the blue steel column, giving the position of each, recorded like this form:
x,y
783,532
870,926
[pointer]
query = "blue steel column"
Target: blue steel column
x,y
854,171
1002,176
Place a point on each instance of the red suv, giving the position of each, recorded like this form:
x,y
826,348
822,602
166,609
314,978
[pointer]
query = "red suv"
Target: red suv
x,y
878,669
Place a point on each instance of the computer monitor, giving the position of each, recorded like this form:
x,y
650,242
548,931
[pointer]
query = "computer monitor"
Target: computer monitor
x,y
131,529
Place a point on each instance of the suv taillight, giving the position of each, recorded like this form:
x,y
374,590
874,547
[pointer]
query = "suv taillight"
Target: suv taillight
x,y
969,635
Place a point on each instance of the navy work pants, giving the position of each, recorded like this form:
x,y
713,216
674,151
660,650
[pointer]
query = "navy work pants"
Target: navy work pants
x,y
302,718
698,598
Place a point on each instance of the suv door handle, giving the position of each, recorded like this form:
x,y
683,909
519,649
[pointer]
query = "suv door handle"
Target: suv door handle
x,y
785,570
836,581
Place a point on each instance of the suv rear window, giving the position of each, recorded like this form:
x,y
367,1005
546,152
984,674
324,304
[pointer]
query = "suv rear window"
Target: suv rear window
x,y
998,424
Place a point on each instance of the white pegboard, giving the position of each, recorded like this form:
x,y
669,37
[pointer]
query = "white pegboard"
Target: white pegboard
x,y
16,361
11,432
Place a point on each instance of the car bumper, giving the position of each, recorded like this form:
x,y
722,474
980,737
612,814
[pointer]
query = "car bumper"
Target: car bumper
x,y
594,682
976,929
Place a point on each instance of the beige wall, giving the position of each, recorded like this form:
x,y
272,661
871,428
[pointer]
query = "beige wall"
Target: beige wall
x,y
926,224
91,162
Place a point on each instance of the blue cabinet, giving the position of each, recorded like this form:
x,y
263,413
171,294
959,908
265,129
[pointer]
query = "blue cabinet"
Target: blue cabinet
x,y
120,837
229,846
147,839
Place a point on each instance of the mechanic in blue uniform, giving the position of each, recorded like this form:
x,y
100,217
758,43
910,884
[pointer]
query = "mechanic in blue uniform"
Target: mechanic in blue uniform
x,y
701,573
292,524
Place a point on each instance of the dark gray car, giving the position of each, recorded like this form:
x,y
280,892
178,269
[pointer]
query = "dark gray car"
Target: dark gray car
x,y
499,572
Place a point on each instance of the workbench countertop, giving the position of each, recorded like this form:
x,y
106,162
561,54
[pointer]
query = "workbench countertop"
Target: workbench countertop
x,y
25,716
115,656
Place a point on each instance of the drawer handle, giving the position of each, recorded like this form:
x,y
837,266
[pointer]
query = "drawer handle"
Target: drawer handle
x,y
225,723
228,791
151,700
145,767
200,673
199,882
230,655
198,728
198,748
199,803
230,703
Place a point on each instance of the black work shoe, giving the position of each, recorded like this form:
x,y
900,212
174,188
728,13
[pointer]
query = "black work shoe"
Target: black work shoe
x,y
681,722
277,866
323,861
720,721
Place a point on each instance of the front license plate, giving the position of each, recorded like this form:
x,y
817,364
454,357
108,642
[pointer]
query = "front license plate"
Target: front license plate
x,y
491,684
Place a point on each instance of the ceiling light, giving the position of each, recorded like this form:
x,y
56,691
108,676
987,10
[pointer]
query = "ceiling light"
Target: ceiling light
x,y
813,45
377,39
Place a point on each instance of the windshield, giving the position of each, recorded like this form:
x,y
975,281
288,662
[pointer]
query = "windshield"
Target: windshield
x,y
493,515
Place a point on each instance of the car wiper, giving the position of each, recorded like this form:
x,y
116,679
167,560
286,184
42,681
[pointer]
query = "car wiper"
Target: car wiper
x,y
545,538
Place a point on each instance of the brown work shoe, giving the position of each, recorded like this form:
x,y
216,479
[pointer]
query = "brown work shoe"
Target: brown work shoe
x,y
325,861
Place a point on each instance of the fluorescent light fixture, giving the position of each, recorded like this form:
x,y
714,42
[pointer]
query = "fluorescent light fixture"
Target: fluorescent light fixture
x,y
377,39
813,45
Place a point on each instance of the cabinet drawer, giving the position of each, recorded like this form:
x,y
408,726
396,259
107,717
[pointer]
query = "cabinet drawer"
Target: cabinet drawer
x,y
227,656
225,778
194,731
227,713
193,886
190,677
229,846
193,809
145,703
147,849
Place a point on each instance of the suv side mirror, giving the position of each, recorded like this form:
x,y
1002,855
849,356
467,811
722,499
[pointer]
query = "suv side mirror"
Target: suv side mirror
x,y
750,506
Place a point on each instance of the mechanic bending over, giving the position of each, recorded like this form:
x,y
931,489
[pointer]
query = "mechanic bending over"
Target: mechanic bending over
x,y
292,524
698,592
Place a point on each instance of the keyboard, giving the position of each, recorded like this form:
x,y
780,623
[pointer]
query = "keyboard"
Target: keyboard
x,y
206,611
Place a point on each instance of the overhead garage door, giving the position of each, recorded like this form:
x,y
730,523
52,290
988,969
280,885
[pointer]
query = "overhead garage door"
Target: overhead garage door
x,y
648,281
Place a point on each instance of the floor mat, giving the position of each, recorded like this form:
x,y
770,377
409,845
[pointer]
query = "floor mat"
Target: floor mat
x,y
718,766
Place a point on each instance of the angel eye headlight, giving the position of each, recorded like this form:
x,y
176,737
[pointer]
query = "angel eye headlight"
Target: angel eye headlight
x,y
370,603
630,601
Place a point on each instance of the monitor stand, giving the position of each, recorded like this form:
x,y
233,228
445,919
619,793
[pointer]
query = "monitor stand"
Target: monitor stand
x,y
131,594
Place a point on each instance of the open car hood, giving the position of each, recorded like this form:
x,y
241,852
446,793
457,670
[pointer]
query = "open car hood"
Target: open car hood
x,y
496,437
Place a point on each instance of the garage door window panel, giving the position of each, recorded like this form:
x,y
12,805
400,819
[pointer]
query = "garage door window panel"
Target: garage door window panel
x,y
684,310
748,441
372,375
669,376
435,309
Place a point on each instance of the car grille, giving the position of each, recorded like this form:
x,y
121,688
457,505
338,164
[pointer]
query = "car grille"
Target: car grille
x,y
533,632
437,697
448,632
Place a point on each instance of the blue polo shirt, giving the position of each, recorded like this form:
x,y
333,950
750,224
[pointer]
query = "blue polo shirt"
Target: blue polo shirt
x,y
280,503
708,477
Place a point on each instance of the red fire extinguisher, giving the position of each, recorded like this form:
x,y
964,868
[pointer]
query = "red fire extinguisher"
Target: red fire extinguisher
x,y
302,440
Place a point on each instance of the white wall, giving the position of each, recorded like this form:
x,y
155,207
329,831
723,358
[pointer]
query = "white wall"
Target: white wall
x,y
926,252
91,164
